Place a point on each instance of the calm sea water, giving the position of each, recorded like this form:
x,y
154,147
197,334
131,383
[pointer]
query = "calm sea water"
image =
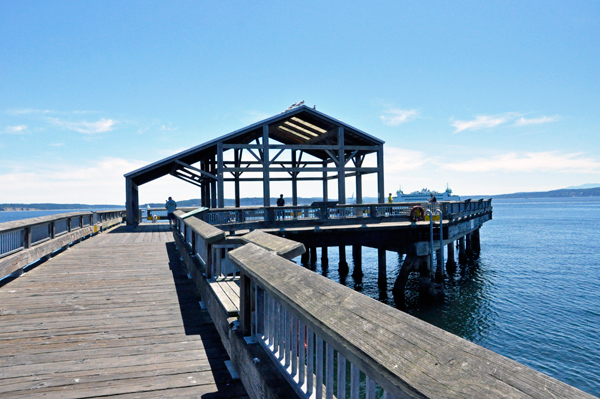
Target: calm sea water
x,y
9,216
532,296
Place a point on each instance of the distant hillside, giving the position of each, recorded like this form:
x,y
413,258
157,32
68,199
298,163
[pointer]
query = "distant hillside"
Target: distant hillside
x,y
54,207
255,201
565,192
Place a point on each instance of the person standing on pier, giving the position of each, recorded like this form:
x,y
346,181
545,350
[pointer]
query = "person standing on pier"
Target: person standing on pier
x,y
280,202
171,205
390,199
432,199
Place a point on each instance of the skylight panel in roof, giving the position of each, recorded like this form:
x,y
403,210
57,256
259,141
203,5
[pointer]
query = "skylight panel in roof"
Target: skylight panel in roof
x,y
310,125
294,133
290,124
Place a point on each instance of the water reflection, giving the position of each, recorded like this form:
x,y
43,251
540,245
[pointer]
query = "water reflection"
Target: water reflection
x,y
464,311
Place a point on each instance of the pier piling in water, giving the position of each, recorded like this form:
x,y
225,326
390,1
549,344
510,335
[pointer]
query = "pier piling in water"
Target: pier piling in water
x,y
451,263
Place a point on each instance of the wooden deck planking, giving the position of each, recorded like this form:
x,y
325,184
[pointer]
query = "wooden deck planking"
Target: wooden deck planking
x,y
115,315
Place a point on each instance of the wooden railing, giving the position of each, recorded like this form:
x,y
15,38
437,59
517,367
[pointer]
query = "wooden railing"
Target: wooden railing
x,y
260,216
331,341
25,241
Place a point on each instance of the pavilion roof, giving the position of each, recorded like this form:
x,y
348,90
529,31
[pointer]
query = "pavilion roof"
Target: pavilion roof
x,y
299,125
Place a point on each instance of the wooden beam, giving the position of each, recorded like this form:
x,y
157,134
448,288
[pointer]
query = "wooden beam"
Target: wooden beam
x,y
341,167
380,182
220,185
132,203
266,180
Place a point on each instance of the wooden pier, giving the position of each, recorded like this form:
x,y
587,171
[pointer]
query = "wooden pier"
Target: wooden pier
x,y
114,315
112,311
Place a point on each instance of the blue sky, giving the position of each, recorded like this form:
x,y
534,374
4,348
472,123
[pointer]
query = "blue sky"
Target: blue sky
x,y
489,97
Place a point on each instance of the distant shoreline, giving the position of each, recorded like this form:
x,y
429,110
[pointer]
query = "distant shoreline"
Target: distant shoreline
x,y
562,193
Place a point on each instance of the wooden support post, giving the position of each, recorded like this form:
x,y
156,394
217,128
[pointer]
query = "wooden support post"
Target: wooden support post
x,y
132,204
343,263
382,267
357,259
324,258
266,161
305,258
451,263
358,164
380,181
341,170
325,187
425,283
475,241
439,271
313,255
469,249
294,180
237,160
462,252
245,304
213,187
220,181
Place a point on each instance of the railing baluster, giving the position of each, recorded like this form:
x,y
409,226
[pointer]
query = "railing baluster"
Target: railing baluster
x,y
310,372
354,382
288,343
341,377
295,344
302,358
277,348
329,372
319,368
370,388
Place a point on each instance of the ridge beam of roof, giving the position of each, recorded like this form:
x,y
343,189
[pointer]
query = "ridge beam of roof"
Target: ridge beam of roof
x,y
202,172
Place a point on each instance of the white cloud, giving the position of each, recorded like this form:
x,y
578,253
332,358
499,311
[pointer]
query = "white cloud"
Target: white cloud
x,y
101,126
530,162
484,121
400,160
489,121
536,121
100,182
396,116
251,117
20,129
29,111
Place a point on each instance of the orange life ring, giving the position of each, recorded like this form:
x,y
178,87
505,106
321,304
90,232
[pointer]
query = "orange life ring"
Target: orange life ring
x,y
417,213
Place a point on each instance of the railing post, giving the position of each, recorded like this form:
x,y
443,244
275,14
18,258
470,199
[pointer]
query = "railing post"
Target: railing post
x,y
27,237
270,215
373,211
245,304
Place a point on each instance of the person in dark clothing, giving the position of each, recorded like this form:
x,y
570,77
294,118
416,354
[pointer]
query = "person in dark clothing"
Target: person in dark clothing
x,y
432,199
280,202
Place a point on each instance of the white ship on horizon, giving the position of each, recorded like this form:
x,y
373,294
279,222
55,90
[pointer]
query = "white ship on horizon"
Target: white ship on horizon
x,y
425,194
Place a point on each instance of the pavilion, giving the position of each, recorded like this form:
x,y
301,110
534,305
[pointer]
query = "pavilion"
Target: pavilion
x,y
299,144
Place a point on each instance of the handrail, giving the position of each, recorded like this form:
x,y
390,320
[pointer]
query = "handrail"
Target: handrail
x,y
311,327
28,234
352,212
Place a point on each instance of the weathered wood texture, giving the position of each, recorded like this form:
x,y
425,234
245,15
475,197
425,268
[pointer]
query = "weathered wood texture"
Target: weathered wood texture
x,y
259,374
209,233
114,315
283,247
410,357
22,258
